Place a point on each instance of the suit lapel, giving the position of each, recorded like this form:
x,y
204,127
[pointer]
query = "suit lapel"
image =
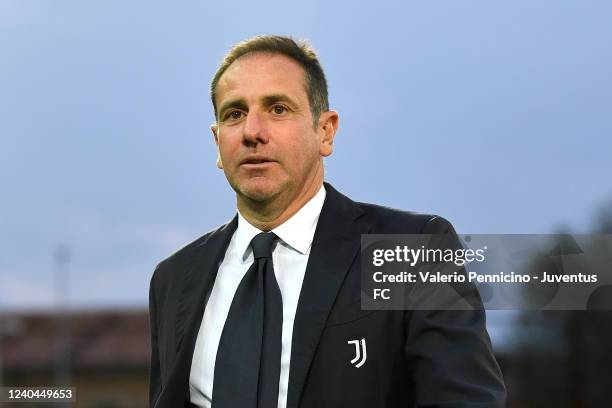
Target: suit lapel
x,y
335,244
195,288
198,282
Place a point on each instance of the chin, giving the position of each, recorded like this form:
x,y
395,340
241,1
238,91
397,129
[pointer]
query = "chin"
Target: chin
x,y
259,190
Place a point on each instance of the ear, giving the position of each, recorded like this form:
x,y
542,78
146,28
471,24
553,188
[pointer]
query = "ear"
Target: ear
x,y
328,126
214,128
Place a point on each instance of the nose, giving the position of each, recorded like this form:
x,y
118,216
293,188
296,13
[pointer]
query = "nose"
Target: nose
x,y
254,130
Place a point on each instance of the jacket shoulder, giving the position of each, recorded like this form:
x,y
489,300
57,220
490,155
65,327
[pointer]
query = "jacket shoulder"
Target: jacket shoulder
x,y
182,258
387,220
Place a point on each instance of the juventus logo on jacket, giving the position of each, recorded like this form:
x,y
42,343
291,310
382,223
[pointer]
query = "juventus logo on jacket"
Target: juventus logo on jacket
x,y
360,352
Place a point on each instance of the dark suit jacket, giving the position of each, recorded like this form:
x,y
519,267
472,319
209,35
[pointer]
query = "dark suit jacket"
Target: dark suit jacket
x,y
414,358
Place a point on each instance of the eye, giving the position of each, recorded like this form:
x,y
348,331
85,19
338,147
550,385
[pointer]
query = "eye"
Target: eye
x,y
234,115
279,109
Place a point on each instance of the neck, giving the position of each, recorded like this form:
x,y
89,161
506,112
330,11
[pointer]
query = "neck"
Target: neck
x,y
270,214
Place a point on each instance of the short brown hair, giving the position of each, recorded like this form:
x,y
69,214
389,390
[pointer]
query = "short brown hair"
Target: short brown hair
x,y
300,51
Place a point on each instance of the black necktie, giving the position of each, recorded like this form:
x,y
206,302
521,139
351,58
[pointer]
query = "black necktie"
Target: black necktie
x,y
247,366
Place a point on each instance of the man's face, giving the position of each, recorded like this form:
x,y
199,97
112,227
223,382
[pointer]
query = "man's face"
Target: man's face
x,y
267,143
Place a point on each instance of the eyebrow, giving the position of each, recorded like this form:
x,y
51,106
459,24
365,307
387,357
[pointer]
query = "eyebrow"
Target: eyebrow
x,y
274,98
266,100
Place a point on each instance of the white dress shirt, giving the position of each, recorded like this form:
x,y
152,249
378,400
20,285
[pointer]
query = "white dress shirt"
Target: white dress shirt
x,y
290,256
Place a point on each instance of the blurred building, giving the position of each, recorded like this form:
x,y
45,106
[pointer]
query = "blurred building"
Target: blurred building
x,y
104,354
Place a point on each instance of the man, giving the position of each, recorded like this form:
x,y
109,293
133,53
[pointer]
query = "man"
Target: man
x,y
265,310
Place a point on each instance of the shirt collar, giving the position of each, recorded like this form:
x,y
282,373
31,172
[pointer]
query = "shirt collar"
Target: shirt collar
x,y
297,232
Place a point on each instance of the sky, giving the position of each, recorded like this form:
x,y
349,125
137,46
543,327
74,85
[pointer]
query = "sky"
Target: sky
x,y
494,115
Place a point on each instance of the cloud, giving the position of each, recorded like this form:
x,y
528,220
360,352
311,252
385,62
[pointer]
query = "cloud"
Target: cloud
x,y
110,262
18,293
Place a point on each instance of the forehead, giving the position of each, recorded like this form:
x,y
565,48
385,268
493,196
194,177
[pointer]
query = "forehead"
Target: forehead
x,y
259,74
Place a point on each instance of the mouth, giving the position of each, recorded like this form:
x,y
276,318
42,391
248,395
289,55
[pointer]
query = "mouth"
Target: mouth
x,y
256,161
